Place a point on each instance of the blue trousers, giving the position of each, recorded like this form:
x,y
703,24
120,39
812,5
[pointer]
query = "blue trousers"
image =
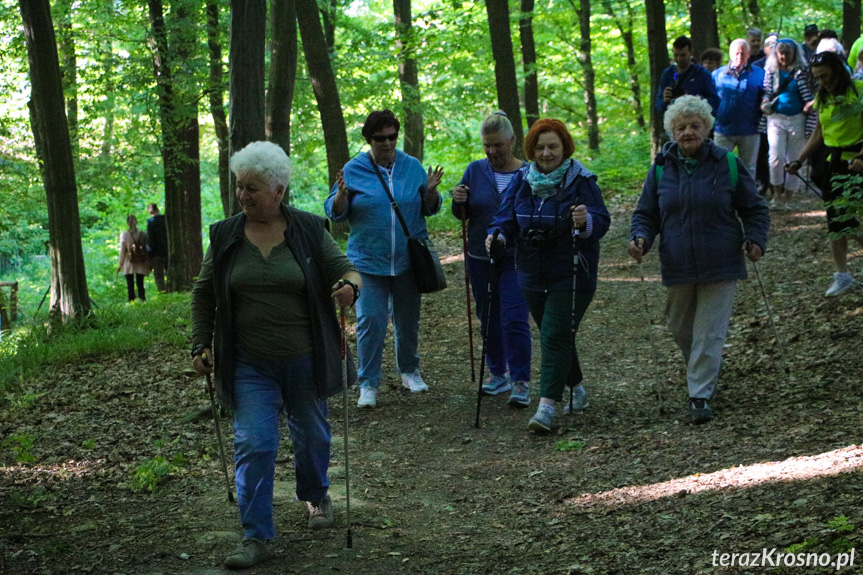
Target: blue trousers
x,y
382,295
261,388
508,344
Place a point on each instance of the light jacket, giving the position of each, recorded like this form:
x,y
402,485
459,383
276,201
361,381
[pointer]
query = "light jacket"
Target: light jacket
x,y
483,202
522,215
696,216
739,100
377,244
125,262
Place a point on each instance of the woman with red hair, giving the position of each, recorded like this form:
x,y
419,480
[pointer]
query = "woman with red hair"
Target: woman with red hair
x,y
553,213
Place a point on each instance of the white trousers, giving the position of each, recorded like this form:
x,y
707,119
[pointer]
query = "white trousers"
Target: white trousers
x,y
787,137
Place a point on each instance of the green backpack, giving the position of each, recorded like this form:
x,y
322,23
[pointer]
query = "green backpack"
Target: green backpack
x,y
732,168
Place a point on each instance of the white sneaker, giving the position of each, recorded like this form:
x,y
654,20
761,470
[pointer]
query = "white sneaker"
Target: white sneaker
x,y
414,382
368,397
842,282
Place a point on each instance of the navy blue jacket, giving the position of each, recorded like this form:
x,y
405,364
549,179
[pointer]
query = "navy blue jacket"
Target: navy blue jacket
x,y
697,216
696,81
739,100
483,202
548,267
157,232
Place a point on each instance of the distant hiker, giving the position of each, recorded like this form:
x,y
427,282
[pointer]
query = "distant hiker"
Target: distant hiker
x,y
740,86
753,40
840,127
267,286
543,206
711,59
684,77
478,196
134,262
377,245
692,198
158,245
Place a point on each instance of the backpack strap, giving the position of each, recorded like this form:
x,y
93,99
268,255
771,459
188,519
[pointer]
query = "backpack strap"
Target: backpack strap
x,y
732,168
659,162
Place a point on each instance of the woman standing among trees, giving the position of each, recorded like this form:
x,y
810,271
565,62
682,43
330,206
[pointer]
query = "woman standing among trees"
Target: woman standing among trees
x,y
544,206
377,246
786,95
840,127
476,199
133,258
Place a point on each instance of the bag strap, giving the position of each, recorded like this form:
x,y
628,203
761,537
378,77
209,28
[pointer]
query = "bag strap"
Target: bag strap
x,y
393,202
732,167
785,82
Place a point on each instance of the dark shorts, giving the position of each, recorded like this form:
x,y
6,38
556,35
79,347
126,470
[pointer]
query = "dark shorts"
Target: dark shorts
x,y
839,171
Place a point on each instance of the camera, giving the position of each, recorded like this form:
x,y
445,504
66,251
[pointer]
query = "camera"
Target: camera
x,y
540,239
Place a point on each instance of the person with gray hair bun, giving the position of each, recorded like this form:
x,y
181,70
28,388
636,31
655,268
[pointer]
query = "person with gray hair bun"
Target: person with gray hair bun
x,y
263,302
693,195
476,199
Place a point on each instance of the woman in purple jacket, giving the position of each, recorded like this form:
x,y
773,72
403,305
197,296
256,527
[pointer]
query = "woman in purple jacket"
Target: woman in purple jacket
x,y
476,199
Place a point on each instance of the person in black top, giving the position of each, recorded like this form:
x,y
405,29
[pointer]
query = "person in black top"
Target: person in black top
x,y
158,245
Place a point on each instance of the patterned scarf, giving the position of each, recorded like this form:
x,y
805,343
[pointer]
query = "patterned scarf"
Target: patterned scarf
x,y
545,185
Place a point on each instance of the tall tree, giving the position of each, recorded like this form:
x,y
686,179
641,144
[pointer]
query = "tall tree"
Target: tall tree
x,y
215,93
283,73
408,79
626,27
703,28
754,13
504,66
528,57
850,22
584,57
69,295
657,50
68,67
328,13
246,61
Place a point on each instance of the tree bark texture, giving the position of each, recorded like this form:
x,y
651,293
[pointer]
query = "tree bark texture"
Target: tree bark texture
x,y
657,49
850,24
408,79
589,75
703,29
528,57
504,67
69,295
68,68
216,92
246,62
328,13
283,73
626,29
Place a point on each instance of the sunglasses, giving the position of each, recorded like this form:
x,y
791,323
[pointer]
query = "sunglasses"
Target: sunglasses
x,y
381,139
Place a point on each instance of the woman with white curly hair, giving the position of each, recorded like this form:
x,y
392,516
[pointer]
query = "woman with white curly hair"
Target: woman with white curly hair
x,y
692,198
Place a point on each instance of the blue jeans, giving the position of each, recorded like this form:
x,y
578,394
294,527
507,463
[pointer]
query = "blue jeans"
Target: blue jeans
x,y
508,343
380,295
261,388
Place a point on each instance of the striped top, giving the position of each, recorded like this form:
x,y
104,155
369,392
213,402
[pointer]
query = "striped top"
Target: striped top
x,y
502,179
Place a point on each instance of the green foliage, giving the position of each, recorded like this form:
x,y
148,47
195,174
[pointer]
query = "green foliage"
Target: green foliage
x,y
840,524
89,444
20,444
834,537
850,202
569,445
153,471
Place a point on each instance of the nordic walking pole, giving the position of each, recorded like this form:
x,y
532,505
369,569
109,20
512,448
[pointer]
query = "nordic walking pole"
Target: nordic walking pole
x,y
344,350
206,361
494,252
779,341
657,382
573,324
809,185
467,289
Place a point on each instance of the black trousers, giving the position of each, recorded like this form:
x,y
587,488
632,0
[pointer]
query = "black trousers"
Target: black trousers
x,y
131,280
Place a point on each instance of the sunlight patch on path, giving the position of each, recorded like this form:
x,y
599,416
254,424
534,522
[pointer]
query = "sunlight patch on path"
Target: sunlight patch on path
x,y
792,469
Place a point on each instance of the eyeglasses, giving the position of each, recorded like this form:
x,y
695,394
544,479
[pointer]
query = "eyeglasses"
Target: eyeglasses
x,y
817,59
381,139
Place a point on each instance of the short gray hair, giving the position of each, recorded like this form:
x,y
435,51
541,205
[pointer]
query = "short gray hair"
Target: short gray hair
x,y
737,43
265,160
687,106
497,123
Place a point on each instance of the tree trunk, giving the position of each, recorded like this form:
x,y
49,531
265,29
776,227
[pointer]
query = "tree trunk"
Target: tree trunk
x,y
408,80
69,69
626,33
589,75
69,294
283,74
850,24
703,29
217,107
754,13
657,49
528,56
328,12
504,67
248,35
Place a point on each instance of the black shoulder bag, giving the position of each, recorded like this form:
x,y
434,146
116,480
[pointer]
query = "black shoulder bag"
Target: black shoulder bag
x,y
425,263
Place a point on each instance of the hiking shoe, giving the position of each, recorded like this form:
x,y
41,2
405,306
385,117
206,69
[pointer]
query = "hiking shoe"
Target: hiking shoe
x,y
579,401
414,382
250,552
700,411
544,419
368,397
320,513
520,396
496,384
842,282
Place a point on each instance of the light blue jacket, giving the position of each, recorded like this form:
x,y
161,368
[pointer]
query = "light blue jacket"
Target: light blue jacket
x,y
377,244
